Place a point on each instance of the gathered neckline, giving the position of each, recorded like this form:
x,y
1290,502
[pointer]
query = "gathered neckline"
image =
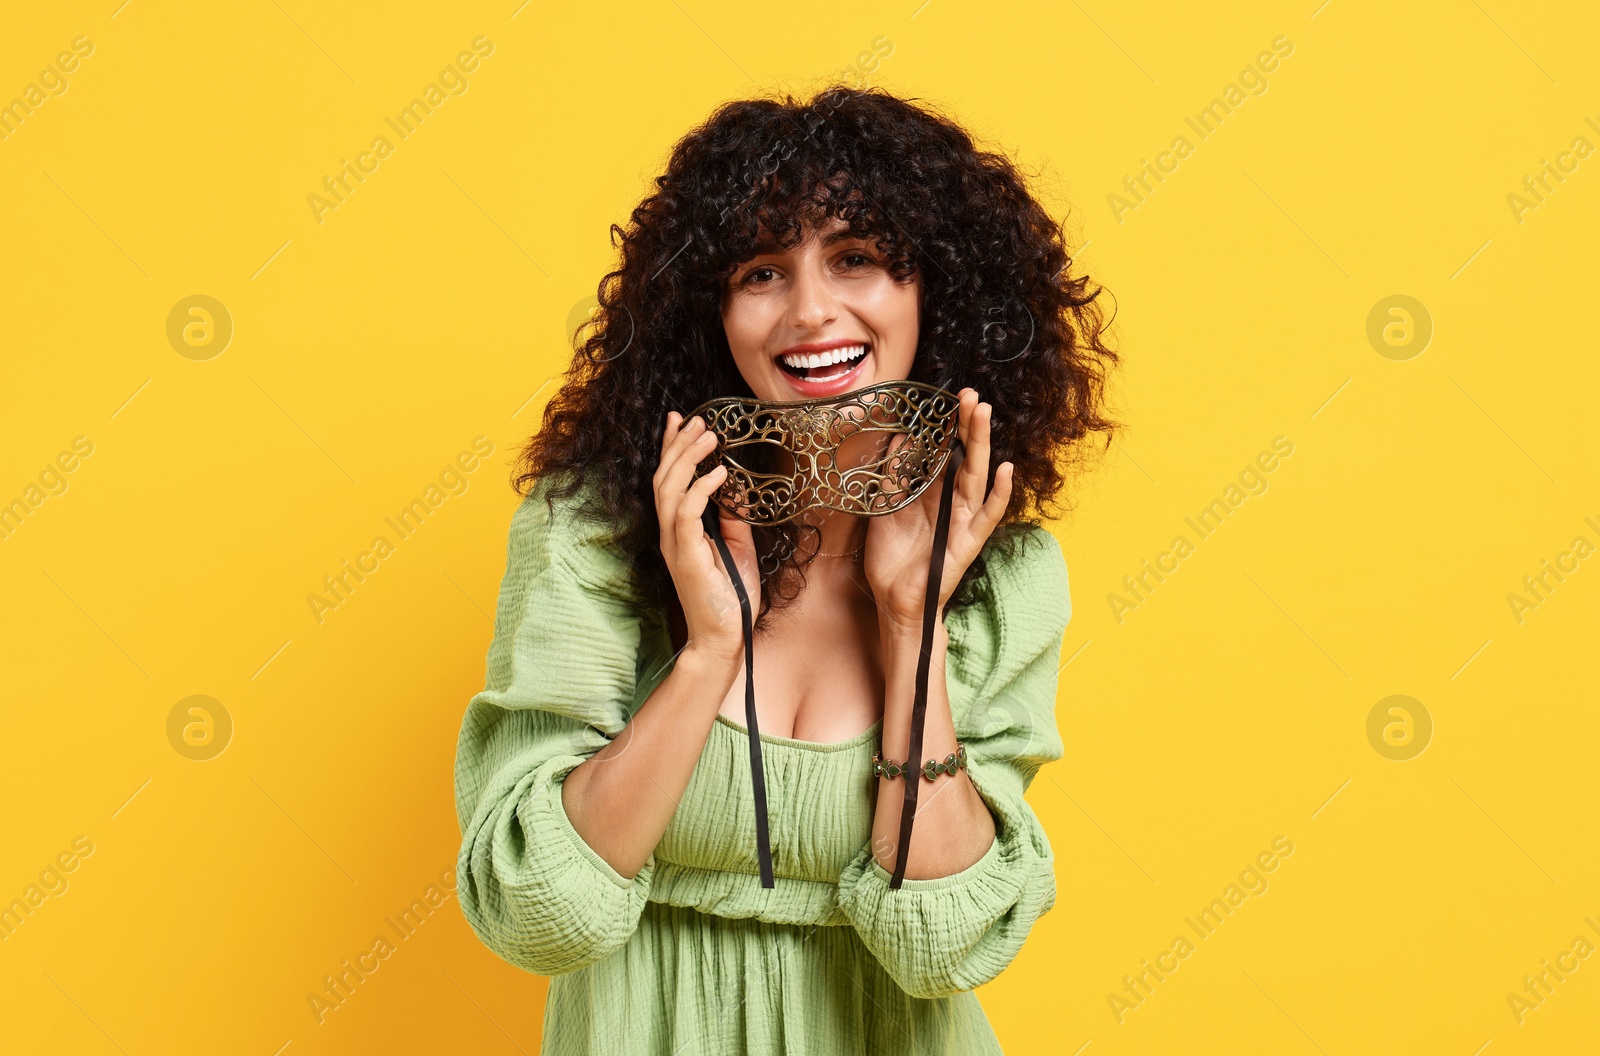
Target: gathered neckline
x,y
864,737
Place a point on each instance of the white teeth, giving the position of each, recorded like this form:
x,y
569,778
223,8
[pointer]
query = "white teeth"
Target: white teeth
x,y
825,359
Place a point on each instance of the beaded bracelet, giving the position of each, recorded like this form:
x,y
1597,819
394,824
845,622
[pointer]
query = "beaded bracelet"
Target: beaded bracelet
x,y
956,760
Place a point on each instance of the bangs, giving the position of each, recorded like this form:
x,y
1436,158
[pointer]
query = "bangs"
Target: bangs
x,y
784,207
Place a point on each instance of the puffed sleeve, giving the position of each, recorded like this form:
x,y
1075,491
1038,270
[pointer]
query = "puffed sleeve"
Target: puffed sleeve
x,y
560,682
941,936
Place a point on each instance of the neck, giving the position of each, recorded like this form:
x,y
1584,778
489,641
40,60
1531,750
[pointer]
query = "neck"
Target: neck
x,y
842,533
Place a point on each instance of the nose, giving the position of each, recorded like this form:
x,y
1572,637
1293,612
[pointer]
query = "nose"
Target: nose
x,y
813,304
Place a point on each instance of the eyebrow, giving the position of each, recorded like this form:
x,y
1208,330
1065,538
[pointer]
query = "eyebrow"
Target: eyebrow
x,y
840,235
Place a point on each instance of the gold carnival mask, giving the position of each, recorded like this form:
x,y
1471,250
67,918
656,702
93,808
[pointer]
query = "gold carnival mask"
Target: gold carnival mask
x,y
753,437
754,434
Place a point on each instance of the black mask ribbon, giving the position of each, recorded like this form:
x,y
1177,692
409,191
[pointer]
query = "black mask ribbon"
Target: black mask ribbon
x,y
919,707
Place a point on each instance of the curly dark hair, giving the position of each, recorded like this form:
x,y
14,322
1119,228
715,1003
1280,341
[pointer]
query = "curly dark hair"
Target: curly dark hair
x,y
1000,311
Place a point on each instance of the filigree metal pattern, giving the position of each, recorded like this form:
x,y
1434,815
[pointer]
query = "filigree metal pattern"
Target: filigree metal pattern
x,y
753,434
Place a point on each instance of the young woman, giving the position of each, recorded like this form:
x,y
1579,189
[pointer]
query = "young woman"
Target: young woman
x,y
793,250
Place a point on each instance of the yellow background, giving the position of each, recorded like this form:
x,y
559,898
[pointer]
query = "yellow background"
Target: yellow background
x,y
1228,708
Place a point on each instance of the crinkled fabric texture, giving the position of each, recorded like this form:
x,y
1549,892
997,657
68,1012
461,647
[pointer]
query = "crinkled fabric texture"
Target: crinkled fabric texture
x,y
692,955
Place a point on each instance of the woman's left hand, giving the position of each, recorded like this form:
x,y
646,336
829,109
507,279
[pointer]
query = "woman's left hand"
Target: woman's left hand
x,y
900,544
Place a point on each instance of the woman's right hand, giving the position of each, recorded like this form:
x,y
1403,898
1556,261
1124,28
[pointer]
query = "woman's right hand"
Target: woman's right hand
x,y
710,606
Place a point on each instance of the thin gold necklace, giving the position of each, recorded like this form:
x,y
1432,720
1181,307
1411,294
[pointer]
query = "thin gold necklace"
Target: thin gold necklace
x,y
854,553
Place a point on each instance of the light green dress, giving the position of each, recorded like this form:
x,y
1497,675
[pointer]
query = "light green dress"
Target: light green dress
x,y
692,957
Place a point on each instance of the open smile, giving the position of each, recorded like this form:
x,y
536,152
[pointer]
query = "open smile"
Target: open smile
x,y
824,373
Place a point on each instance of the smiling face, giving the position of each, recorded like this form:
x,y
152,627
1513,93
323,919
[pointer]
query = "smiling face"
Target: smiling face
x,y
821,319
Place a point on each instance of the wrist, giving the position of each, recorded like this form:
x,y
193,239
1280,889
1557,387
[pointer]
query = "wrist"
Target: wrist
x,y
898,634
711,665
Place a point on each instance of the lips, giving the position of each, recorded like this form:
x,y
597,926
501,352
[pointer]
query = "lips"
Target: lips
x,y
826,372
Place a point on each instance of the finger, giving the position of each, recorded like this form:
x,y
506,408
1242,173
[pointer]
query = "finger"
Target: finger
x,y
964,409
682,463
691,450
693,443
964,412
692,508
974,475
994,507
674,422
669,495
681,433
